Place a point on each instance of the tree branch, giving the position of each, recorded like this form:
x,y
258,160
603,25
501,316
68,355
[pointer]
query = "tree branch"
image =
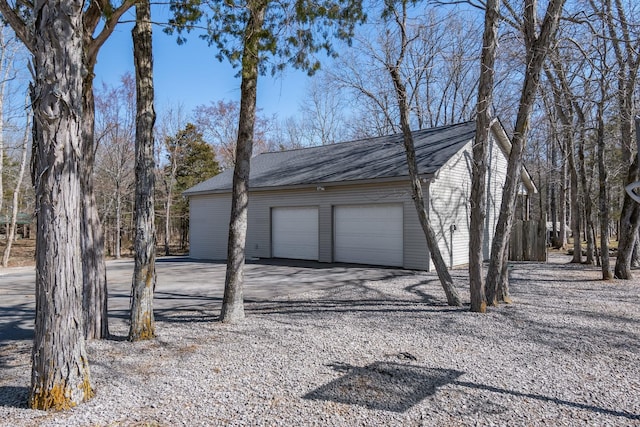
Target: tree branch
x,y
17,24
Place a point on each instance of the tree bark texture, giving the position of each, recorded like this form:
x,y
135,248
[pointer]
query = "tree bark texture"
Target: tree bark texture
x,y
60,372
167,213
564,190
536,54
142,324
630,216
94,271
453,298
564,106
603,197
233,300
628,62
555,240
586,189
478,196
575,197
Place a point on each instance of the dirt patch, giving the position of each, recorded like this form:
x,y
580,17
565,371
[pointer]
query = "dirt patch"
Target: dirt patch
x,y
22,252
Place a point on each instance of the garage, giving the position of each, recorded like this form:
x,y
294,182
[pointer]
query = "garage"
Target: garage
x,y
369,234
294,232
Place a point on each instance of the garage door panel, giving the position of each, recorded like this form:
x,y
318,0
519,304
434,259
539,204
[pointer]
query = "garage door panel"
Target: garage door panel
x,y
294,232
369,234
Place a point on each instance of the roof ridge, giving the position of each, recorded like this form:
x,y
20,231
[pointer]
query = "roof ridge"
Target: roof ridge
x,y
368,140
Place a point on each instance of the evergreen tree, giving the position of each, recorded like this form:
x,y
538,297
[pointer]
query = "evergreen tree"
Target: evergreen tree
x,y
257,35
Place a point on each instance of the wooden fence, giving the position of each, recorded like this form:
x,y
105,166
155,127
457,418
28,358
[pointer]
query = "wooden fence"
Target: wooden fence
x,y
528,241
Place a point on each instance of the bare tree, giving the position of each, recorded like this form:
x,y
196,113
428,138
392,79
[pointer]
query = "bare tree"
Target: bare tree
x,y
115,155
142,324
218,122
60,371
479,165
394,65
16,191
94,275
173,121
323,113
439,73
626,46
537,42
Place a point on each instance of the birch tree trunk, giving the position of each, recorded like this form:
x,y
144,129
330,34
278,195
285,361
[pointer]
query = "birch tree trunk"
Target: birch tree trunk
x,y
142,324
478,196
60,372
14,203
233,300
453,298
537,47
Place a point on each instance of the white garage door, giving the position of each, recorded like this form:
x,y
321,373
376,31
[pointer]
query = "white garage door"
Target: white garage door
x,y
294,232
368,234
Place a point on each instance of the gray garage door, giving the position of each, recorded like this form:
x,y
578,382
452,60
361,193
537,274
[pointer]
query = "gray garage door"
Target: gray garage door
x,y
369,234
294,232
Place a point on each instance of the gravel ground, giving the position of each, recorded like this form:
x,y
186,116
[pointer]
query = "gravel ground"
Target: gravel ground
x,y
387,353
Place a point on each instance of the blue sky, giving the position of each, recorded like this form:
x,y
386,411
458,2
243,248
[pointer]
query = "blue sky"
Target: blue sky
x,y
190,75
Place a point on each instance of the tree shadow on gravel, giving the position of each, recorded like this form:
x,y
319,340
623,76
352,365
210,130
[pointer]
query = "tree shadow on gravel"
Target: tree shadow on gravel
x,y
396,387
556,401
313,307
17,322
14,397
385,386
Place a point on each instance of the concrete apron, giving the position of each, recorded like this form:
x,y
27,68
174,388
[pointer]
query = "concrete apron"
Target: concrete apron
x,y
184,284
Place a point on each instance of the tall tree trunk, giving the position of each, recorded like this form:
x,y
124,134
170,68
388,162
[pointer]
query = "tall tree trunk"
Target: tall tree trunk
x,y
451,293
94,271
502,292
14,203
479,165
144,274
586,189
167,212
563,206
575,197
3,85
630,216
60,372
233,300
603,197
537,48
118,234
553,205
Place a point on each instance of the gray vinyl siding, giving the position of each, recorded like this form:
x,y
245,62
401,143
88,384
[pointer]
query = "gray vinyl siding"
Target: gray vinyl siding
x,y
447,196
206,246
496,176
325,230
449,205
209,226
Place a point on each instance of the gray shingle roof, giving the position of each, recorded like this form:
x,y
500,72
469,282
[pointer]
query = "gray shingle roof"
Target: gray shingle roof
x,y
365,159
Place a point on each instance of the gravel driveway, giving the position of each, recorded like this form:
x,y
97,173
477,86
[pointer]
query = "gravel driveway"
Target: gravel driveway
x,y
372,350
